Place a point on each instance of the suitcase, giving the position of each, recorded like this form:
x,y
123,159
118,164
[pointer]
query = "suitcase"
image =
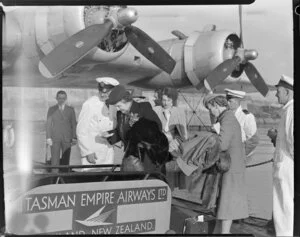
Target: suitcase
x,y
198,225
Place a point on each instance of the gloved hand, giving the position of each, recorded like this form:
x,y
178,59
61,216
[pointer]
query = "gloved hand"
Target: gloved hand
x,y
173,145
91,158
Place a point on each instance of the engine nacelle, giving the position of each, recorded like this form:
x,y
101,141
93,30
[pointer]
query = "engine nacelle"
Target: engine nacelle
x,y
195,58
204,51
55,24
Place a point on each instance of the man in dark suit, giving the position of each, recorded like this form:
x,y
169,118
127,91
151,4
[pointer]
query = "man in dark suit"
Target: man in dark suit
x,y
61,130
129,112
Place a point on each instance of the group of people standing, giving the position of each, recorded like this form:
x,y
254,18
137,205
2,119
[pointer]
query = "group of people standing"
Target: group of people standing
x,y
156,135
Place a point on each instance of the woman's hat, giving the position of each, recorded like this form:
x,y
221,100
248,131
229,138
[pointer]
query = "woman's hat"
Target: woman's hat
x,y
117,94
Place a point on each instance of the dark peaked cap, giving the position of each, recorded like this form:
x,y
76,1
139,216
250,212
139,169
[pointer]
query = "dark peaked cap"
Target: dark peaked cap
x,y
117,94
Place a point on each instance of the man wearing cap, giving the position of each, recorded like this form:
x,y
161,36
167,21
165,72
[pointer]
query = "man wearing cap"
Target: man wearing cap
x,y
129,112
283,169
95,118
245,118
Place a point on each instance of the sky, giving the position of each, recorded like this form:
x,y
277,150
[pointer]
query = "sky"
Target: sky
x,y
267,27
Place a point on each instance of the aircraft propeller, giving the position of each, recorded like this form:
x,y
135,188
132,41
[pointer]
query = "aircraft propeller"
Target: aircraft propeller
x,y
241,58
80,44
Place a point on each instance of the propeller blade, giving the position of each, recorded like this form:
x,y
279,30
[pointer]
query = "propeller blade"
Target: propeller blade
x,y
73,49
222,71
256,79
241,25
150,49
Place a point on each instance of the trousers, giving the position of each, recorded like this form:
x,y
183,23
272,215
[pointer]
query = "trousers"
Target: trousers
x,y
283,197
60,147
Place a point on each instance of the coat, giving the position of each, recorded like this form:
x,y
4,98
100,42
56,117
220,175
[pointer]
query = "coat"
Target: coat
x,y
248,130
247,123
61,125
200,154
176,132
233,197
94,118
283,173
125,122
147,146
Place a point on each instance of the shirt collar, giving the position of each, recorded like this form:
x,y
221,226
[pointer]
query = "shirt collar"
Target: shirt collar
x,y
288,104
169,110
61,106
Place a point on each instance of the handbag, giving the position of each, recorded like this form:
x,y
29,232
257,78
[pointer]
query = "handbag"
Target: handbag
x,y
223,164
132,163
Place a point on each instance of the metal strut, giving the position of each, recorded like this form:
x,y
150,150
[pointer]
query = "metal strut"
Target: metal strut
x,y
193,110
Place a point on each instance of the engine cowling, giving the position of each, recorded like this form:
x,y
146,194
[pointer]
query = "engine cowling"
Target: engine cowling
x,y
204,51
56,24
195,58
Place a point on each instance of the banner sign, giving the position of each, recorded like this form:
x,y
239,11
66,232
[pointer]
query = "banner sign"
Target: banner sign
x,y
119,207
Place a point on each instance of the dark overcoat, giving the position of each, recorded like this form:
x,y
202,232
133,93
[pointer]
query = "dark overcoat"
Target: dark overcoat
x,y
126,121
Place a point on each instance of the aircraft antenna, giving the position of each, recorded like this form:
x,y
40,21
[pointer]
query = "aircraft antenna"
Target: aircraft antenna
x,y
241,25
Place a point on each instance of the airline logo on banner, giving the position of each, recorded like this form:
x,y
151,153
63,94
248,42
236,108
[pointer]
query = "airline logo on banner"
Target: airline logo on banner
x,y
122,207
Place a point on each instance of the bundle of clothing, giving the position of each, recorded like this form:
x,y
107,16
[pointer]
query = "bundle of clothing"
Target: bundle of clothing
x,y
203,160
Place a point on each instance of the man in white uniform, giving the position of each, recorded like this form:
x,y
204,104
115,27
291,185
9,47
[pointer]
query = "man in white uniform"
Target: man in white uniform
x,y
94,119
283,171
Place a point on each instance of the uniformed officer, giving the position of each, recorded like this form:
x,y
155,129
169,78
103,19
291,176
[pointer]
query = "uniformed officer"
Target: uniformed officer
x,y
283,168
95,118
245,118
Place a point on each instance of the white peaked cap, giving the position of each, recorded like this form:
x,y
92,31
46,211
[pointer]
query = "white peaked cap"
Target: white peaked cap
x,y
235,93
107,81
286,82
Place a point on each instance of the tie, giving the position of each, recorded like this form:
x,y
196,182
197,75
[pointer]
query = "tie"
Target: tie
x,y
167,115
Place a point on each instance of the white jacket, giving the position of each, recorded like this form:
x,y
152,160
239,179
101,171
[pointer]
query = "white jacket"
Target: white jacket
x,y
95,118
247,123
283,173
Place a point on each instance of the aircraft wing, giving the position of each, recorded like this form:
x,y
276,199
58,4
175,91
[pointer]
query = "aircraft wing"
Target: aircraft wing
x,y
195,56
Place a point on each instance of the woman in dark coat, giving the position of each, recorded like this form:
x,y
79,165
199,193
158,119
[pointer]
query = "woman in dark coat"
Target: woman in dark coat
x,y
232,203
147,143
